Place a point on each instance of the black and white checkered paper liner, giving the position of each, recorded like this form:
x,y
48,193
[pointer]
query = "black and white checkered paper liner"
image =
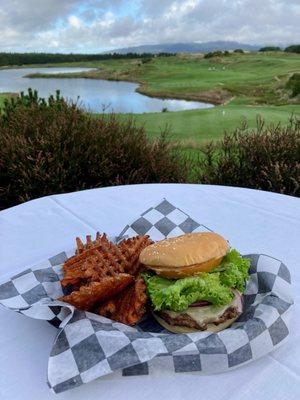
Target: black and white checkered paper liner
x,y
88,346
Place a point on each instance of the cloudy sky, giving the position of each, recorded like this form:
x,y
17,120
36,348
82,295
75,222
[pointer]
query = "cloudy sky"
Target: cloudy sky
x,y
98,25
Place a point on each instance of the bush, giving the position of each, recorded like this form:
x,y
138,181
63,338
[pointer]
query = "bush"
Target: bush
x,y
50,146
295,48
146,60
264,158
270,48
294,84
212,54
239,51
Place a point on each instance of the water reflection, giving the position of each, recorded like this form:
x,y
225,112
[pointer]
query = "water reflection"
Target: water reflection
x,y
94,94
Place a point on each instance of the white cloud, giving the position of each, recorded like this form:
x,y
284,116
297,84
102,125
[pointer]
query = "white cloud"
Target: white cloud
x,y
96,25
74,21
107,20
179,8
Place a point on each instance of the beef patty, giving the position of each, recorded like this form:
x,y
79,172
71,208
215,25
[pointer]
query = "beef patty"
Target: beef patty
x,y
186,320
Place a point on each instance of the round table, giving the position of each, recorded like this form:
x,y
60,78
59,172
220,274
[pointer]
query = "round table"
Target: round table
x,y
253,221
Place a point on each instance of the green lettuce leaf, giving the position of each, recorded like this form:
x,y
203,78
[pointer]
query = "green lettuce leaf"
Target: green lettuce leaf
x,y
234,270
215,287
178,294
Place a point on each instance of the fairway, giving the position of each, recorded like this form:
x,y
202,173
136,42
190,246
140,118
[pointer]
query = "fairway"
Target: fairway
x,y
193,127
258,76
242,86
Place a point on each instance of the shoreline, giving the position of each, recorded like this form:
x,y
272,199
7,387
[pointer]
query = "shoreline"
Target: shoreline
x,y
152,80
212,97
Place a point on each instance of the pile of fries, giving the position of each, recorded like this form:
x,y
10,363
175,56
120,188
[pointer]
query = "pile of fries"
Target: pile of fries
x,y
104,278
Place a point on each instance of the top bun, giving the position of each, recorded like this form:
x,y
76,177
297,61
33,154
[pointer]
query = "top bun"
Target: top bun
x,y
185,255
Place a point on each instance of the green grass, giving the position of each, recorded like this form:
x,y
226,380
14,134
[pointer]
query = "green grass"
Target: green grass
x,y
246,85
4,96
259,76
195,126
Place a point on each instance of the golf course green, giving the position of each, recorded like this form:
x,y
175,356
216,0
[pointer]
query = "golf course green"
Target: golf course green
x,y
242,87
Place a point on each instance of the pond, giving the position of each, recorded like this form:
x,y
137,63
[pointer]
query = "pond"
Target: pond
x,y
96,95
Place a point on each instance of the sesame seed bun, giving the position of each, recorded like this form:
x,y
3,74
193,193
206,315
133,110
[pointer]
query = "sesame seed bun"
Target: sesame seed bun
x,y
185,255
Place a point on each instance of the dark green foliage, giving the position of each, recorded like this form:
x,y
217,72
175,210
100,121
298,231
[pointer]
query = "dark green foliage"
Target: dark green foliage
x,y
220,53
217,53
50,146
295,48
266,158
270,48
44,58
146,60
294,84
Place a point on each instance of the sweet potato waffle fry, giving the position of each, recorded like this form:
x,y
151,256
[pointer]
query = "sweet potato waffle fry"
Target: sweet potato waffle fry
x,y
129,306
102,271
131,249
90,294
124,257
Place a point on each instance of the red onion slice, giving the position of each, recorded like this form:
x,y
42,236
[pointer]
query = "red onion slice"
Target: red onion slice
x,y
201,303
239,299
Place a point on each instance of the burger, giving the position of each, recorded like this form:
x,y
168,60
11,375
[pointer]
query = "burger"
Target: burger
x,y
195,282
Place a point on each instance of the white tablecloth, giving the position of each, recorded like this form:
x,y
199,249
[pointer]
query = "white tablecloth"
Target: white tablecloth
x,y
253,221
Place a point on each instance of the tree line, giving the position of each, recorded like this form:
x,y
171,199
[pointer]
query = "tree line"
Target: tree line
x,y
295,48
45,58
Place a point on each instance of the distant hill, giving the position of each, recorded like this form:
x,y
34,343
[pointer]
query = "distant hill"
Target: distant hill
x,y
191,47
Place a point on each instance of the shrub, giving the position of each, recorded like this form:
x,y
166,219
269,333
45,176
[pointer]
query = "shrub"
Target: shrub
x,y
263,158
270,48
217,53
294,84
295,48
146,60
238,51
50,146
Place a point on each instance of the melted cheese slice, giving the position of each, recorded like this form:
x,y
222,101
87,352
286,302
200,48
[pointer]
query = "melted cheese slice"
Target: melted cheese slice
x,y
202,315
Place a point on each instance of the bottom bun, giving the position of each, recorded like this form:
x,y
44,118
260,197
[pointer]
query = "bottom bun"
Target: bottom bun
x,y
184,329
